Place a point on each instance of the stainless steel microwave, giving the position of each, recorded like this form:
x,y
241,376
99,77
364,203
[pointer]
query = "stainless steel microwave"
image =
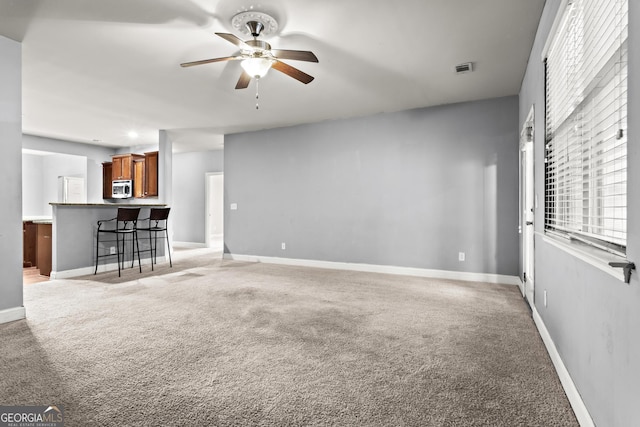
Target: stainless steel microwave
x,y
122,189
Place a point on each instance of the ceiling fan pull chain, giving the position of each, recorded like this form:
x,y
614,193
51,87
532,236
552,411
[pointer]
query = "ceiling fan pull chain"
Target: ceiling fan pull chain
x,y
257,92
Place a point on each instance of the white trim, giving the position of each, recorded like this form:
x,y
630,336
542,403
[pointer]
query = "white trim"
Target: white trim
x,y
386,269
207,213
527,175
83,271
102,268
12,314
521,287
592,256
554,28
578,406
189,245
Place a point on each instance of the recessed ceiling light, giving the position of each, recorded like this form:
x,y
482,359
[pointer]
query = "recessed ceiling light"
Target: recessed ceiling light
x,y
133,134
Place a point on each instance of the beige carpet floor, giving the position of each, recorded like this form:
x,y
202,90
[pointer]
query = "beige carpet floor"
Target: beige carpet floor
x,y
224,343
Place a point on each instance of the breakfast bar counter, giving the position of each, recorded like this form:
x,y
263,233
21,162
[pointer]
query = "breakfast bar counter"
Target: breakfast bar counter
x,y
74,236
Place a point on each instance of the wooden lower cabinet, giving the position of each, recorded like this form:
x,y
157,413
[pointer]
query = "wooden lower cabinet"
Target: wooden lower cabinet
x,y
37,246
29,236
44,249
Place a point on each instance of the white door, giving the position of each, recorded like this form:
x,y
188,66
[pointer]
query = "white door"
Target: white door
x,y
527,200
215,210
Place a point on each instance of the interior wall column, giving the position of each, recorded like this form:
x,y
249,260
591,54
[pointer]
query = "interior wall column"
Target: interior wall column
x,y
165,174
11,297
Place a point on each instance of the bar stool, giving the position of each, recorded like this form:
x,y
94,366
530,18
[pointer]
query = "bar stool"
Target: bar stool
x,y
125,224
157,222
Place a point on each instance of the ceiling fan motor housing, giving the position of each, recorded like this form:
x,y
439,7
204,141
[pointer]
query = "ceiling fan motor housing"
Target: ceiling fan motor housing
x,y
254,28
258,45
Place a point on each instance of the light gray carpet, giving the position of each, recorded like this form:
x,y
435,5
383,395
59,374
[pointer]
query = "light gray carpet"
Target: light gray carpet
x,y
220,343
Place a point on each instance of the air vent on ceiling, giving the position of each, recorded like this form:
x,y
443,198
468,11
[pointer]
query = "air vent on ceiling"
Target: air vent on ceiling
x,y
467,67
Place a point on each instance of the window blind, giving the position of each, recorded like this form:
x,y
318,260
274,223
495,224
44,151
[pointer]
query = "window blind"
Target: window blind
x,y
586,123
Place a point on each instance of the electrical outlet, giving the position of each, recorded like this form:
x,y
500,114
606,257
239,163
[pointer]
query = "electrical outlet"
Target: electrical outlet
x,y
460,256
112,250
234,206
284,246
545,297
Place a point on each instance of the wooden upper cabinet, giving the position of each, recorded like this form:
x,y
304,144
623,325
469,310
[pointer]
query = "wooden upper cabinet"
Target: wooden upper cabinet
x,y
138,178
119,167
142,169
151,174
123,166
107,177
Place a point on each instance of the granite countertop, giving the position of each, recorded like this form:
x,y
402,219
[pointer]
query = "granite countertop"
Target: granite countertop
x,y
110,205
38,219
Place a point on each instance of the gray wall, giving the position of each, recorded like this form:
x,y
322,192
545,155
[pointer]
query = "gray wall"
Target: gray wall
x,y
32,188
593,317
10,174
40,179
189,198
94,154
409,189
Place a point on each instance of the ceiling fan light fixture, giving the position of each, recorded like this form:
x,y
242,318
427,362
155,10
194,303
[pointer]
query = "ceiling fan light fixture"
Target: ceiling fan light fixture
x,y
256,67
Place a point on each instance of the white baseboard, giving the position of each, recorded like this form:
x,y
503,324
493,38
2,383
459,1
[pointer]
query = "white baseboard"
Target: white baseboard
x,y
12,314
189,245
102,268
521,286
387,269
579,408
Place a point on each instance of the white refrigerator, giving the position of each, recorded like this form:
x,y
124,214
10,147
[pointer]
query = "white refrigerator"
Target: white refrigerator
x,y
71,190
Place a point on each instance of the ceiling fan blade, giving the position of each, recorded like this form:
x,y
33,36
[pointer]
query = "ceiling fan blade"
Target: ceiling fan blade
x,y
292,72
235,40
298,55
207,61
243,81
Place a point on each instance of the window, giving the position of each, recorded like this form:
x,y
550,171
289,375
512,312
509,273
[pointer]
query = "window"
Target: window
x,y
586,124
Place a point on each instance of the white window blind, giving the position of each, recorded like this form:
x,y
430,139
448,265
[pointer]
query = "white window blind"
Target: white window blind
x,y
586,123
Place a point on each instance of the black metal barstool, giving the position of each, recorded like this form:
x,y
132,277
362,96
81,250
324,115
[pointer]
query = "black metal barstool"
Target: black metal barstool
x,y
157,222
125,224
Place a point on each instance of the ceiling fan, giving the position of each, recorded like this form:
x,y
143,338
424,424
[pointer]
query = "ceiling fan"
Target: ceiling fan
x,y
257,56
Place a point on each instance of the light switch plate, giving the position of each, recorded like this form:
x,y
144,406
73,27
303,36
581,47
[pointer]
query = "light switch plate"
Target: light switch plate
x,y
234,206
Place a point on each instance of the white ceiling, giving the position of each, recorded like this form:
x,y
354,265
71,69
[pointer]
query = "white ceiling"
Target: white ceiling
x,y
94,70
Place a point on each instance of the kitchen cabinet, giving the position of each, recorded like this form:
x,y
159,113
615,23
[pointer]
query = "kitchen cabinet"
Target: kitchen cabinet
x,y
43,256
138,178
37,245
151,174
29,233
122,166
145,175
107,177
141,169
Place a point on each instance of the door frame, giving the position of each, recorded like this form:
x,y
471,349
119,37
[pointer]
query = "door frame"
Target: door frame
x,y
528,206
207,191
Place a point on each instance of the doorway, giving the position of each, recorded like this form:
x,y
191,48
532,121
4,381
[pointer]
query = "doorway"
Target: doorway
x,y
214,228
527,206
